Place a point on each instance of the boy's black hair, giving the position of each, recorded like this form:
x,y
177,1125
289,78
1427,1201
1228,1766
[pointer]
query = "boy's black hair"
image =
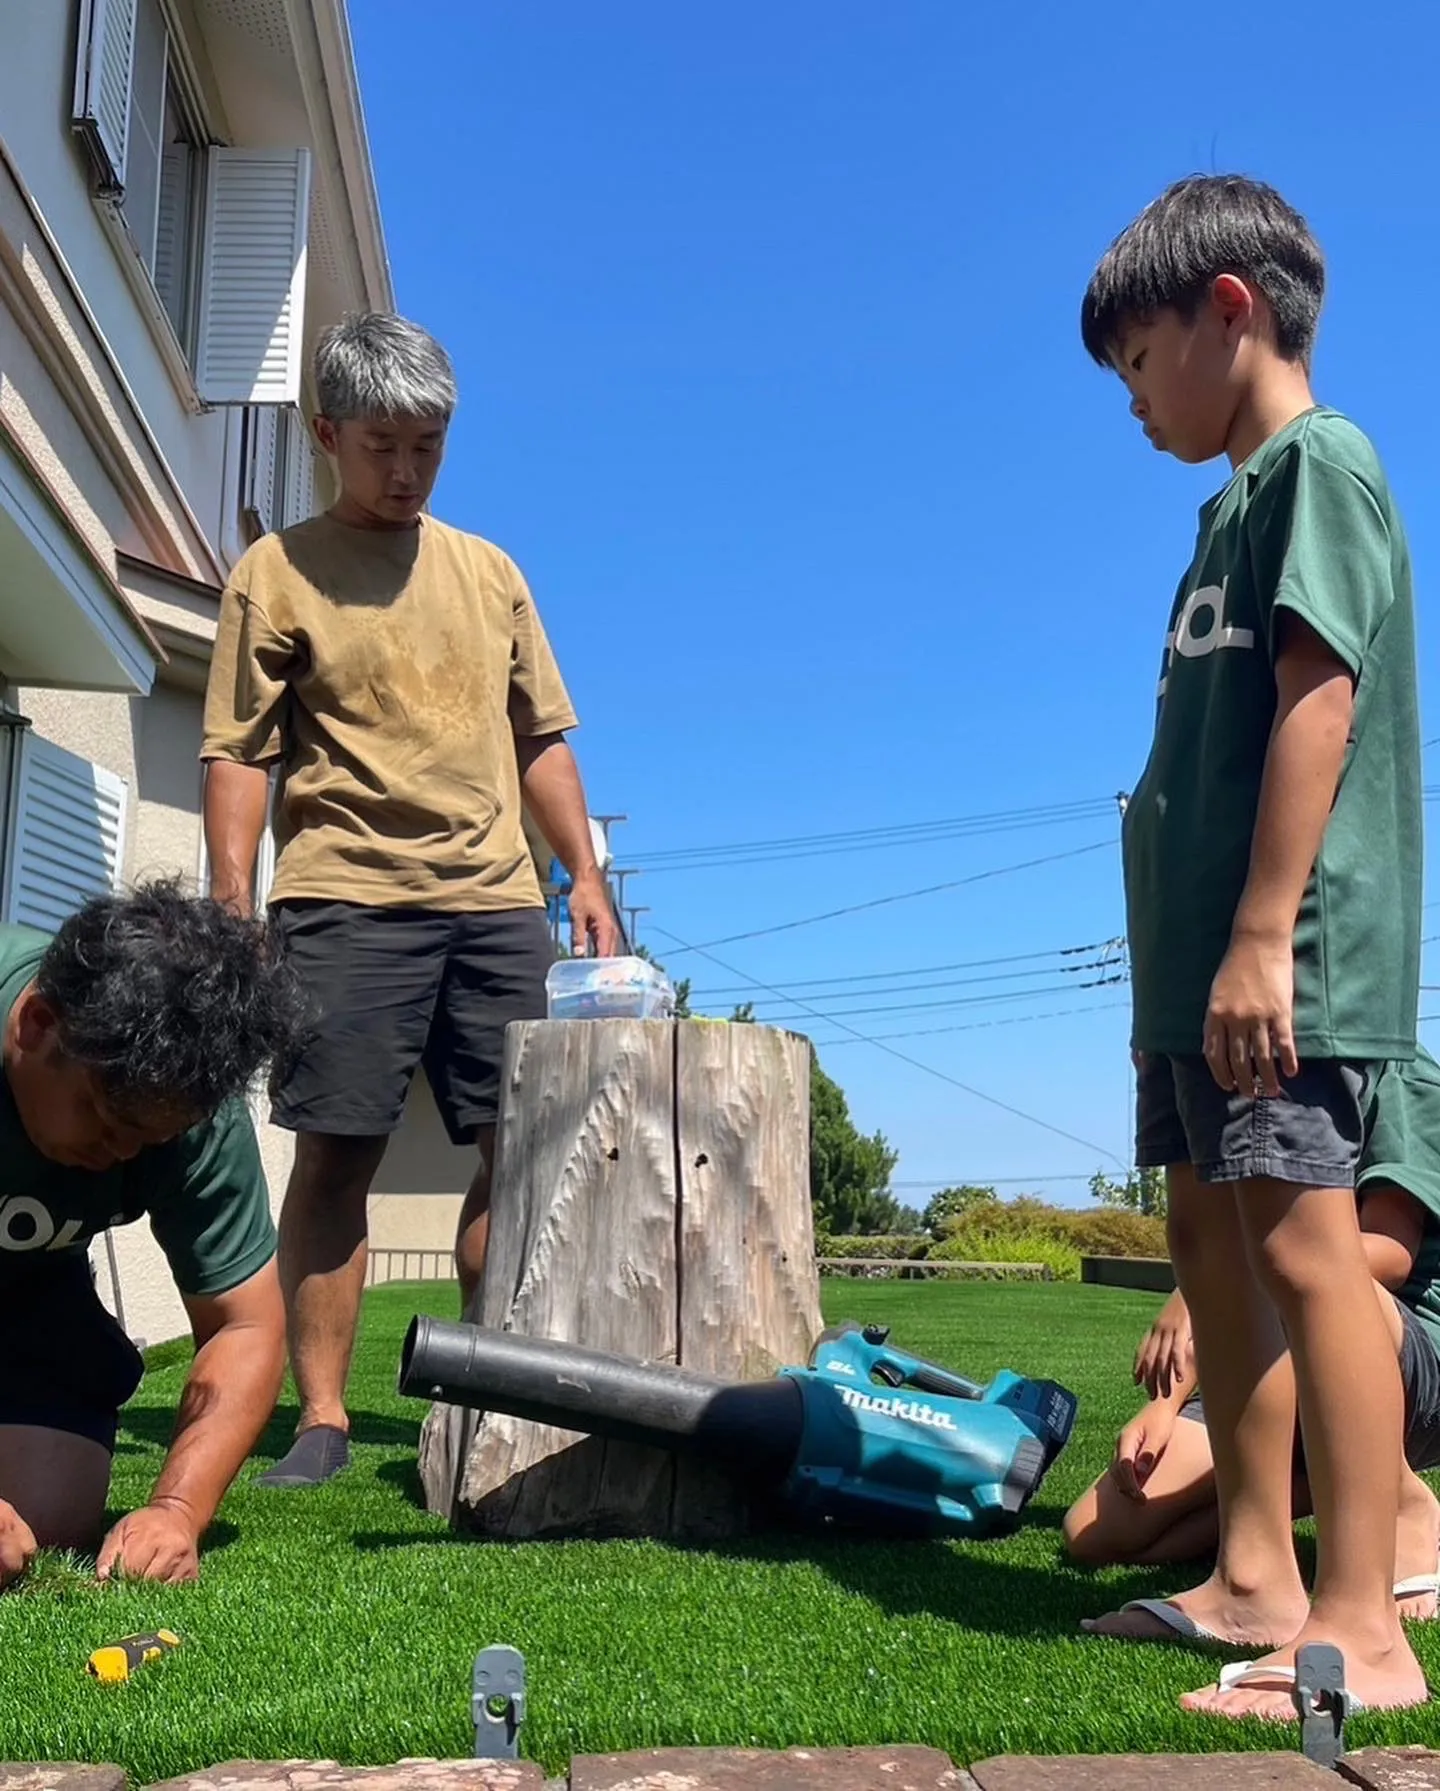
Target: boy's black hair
x,y
1198,229
174,1001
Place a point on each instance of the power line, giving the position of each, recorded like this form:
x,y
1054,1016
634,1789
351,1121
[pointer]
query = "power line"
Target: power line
x,y
929,985
907,895
904,1057
866,838
916,1007
930,1032
876,976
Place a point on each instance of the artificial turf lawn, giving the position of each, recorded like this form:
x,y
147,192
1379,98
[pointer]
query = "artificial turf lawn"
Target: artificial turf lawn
x,y
342,1623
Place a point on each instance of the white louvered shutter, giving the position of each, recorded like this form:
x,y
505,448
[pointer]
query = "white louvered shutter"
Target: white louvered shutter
x,y
299,469
104,63
262,428
252,284
67,835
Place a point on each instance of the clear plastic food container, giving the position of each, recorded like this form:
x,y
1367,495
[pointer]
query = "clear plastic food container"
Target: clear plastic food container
x,y
608,989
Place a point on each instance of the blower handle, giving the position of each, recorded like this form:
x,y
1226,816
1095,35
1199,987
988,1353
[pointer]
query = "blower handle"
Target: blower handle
x,y
930,1377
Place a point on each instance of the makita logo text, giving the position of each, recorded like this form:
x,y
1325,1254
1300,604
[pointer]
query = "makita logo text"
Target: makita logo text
x,y
898,1408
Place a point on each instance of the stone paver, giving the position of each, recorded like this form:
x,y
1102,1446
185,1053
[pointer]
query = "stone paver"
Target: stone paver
x,y
1392,1769
1151,1772
325,1775
60,1776
750,1769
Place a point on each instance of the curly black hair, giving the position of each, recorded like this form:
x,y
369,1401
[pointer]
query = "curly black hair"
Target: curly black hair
x,y
175,1002
1198,229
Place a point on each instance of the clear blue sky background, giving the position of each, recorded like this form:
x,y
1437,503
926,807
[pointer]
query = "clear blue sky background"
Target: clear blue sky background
x,y
765,320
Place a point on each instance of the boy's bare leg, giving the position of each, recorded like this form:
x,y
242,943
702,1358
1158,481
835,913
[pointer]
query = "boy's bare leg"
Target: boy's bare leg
x,y
1255,1596
1303,1245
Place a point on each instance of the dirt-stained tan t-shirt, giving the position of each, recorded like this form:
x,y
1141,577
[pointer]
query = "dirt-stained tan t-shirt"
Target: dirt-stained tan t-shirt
x,y
386,673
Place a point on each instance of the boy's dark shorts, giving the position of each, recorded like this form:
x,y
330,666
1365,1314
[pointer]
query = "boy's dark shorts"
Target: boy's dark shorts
x,y
390,988
1420,1377
1311,1134
68,1364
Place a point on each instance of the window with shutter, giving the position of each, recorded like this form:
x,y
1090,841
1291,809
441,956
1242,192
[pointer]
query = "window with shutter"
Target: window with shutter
x,y
299,502
262,463
252,285
66,837
101,112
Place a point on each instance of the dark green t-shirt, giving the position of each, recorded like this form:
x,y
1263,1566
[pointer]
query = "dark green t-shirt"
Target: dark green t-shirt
x,y
1306,524
204,1192
1404,1147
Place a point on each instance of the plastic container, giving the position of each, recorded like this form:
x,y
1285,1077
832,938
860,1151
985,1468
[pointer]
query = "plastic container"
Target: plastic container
x,y
608,989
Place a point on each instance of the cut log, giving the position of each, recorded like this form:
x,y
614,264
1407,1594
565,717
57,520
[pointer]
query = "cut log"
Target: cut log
x,y
651,1197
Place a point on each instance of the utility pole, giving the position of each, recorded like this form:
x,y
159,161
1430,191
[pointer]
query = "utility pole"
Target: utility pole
x,y
606,822
620,877
1122,802
630,932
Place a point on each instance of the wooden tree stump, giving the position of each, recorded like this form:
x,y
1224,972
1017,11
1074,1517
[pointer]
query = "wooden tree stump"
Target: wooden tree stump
x,y
651,1197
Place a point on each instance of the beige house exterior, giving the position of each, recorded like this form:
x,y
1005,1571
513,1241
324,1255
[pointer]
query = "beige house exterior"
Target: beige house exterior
x,y
186,199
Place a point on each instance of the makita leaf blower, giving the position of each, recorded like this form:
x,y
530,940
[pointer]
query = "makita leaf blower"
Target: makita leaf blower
x,y
863,1434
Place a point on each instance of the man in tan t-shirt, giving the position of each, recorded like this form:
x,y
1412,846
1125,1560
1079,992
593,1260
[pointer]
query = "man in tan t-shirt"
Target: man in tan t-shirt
x,y
395,673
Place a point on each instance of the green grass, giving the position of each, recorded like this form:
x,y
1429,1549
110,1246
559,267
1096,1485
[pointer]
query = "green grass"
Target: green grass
x,y
343,1623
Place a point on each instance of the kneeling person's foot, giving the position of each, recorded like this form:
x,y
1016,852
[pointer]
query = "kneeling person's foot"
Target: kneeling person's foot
x,y
316,1455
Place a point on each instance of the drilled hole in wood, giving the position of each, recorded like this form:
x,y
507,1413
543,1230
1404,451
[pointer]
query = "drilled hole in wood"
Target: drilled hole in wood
x,y
701,1160
613,1153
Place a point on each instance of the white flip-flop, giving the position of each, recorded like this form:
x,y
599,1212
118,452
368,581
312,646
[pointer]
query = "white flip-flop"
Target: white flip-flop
x,y
1246,1675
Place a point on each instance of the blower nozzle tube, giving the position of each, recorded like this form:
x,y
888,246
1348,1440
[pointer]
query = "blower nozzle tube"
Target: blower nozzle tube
x,y
752,1427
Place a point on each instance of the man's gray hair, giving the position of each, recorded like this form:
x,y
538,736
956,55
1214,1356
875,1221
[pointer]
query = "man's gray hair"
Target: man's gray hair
x,y
376,364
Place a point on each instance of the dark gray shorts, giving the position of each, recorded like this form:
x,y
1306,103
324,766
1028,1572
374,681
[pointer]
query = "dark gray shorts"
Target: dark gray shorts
x,y
1420,1377
391,988
1311,1134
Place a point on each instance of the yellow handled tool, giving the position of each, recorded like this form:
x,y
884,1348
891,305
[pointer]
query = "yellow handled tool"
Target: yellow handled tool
x,y
114,1664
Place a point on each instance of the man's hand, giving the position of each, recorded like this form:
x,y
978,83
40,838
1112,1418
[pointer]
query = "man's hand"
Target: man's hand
x,y
1249,1036
17,1544
158,1542
593,930
1139,1447
1165,1360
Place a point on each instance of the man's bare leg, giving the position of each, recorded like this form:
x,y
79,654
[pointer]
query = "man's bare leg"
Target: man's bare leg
x,y
322,1276
58,1483
1303,1245
472,1236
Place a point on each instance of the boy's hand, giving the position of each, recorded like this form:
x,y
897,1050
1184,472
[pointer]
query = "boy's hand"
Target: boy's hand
x,y
1139,1447
1165,1360
17,1544
1249,1038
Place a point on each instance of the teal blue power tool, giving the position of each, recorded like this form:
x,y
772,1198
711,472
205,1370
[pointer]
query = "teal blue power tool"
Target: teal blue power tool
x,y
894,1441
862,1435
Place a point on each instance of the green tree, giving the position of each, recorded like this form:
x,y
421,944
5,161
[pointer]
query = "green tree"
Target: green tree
x,y
1142,1191
849,1172
954,1203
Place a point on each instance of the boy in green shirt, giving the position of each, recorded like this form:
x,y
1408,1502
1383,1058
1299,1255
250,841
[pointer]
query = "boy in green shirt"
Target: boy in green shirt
x,y
127,1042
1272,873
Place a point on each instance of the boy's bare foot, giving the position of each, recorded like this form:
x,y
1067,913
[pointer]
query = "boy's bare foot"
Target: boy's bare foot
x,y
1211,1613
1417,1548
1383,1674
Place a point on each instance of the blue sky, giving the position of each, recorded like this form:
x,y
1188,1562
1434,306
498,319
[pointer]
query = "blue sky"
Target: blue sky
x,y
765,320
